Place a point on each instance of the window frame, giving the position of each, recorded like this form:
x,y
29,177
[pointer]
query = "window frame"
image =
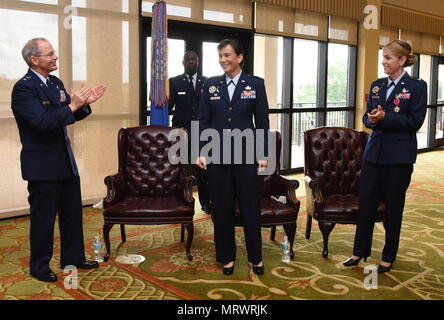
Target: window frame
x,y
288,111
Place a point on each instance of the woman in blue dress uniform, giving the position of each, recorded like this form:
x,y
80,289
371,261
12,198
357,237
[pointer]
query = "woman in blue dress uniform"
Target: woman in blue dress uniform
x,y
233,101
396,108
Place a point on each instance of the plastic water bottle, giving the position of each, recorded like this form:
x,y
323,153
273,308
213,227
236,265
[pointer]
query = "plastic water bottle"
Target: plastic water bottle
x,y
285,250
98,254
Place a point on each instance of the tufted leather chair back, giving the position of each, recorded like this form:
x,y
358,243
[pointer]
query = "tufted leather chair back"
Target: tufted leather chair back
x,y
334,156
143,159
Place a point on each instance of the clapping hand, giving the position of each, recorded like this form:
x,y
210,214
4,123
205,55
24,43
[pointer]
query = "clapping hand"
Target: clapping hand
x,y
96,94
79,98
86,95
376,115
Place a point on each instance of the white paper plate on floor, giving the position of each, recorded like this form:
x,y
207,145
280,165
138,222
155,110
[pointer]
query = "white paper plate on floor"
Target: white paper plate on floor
x,y
130,259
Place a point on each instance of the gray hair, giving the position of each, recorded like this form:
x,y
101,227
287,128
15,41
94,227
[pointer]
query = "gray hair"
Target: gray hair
x,y
31,48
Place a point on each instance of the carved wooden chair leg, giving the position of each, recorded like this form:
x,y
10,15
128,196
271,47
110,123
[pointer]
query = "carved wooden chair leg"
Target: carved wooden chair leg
x,y
273,233
190,231
122,232
308,227
106,228
326,228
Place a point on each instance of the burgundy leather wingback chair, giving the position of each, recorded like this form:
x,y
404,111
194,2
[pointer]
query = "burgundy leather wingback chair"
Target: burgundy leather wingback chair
x,y
275,212
148,189
333,160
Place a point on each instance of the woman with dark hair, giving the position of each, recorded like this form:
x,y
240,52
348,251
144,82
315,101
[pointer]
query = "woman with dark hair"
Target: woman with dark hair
x,y
396,108
232,101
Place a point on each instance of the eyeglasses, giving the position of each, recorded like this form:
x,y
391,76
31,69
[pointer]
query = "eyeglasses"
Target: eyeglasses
x,y
51,54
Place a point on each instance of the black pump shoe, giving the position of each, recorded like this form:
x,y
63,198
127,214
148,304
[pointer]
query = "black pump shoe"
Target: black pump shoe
x,y
258,270
382,269
353,262
228,270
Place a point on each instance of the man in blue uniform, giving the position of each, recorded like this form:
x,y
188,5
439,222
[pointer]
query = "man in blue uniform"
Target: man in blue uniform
x,y
42,109
185,94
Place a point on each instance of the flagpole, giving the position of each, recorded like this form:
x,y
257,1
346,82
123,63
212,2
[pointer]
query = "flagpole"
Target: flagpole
x,y
159,66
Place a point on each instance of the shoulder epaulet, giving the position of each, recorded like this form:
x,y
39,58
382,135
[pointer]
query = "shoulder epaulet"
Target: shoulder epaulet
x,y
26,78
255,77
416,79
381,80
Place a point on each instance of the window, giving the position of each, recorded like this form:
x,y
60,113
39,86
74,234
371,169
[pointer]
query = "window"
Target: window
x,y
305,73
337,75
338,83
301,94
210,60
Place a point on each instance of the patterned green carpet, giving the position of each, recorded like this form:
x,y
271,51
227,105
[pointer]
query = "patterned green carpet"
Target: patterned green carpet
x,y
166,274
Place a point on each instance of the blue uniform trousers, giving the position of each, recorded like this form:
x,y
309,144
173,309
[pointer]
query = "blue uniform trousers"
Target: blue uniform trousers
x,y
46,199
381,182
227,182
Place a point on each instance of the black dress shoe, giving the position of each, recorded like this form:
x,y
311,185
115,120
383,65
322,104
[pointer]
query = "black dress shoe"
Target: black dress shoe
x,y
87,264
382,269
258,270
228,270
47,276
353,262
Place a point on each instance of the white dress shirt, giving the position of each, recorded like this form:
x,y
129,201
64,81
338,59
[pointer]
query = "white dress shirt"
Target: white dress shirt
x,y
390,88
193,79
44,80
231,87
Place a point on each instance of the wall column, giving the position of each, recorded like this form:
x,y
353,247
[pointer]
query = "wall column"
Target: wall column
x,y
368,53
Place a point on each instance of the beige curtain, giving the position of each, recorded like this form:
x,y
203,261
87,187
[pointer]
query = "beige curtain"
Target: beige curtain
x,y
97,42
422,42
290,22
341,8
343,30
406,19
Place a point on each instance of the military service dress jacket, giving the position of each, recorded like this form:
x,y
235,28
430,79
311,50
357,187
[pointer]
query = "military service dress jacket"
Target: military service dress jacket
x,y
393,140
42,113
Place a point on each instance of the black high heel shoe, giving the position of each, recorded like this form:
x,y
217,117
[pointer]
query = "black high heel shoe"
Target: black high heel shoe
x,y
228,270
258,270
382,269
353,262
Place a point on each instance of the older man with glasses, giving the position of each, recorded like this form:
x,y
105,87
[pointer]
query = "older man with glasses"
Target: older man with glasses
x,y
43,108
